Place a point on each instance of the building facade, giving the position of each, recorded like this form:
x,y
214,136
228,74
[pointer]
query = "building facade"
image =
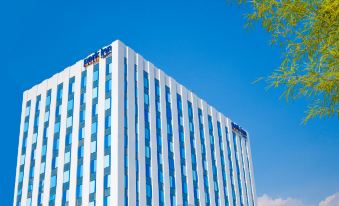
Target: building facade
x,y
112,129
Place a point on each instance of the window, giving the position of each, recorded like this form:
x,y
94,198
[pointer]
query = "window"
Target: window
x,y
56,144
157,88
71,86
48,99
46,116
82,133
94,127
107,161
52,197
107,180
83,79
108,121
25,126
108,85
28,108
80,171
81,152
65,196
95,92
92,186
82,115
79,191
107,141
57,127
70,104
107,103
148,191
43,150
55,162
67,157
53,181
146,100
109,65
94,109
58,110
42,167
29,202
107,200
21,176
68,138
66,176
69,121
146,80
59,94
22,159
34,138
147,152
83,98
31,172
158,106
38,106
93,166
93,146
95,75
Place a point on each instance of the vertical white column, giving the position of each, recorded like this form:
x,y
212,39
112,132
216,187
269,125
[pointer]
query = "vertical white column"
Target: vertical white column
x,y
195,107
53,82
100,133
76,72
61,152
205,112
87,138
223,122
153,138
21,134
117,133
249,154
141,131
178,178
41,90
242,178
246,173
162,83
233,156
187,146
215,117
131,126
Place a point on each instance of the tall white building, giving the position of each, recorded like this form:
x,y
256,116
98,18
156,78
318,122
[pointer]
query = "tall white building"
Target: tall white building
x,y
113,129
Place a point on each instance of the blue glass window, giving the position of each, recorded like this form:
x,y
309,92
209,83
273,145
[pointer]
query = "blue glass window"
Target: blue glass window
x,y
53,181
83,79
59,92
96,72
108,65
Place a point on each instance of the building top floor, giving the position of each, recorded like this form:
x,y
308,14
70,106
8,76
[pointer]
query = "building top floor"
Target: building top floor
x,y
119,51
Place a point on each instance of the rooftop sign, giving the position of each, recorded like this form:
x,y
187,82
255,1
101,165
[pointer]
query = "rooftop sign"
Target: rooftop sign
x,y
94,58
106,51
238,129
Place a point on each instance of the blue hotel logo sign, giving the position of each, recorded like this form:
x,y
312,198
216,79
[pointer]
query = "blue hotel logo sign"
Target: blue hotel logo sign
x,y
106,51
238,129
94,58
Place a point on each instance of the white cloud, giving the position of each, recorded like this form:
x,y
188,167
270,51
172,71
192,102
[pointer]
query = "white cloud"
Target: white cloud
x,y
266,200
332,200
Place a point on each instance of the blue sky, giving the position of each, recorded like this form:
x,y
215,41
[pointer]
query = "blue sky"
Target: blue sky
x,y
203,45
